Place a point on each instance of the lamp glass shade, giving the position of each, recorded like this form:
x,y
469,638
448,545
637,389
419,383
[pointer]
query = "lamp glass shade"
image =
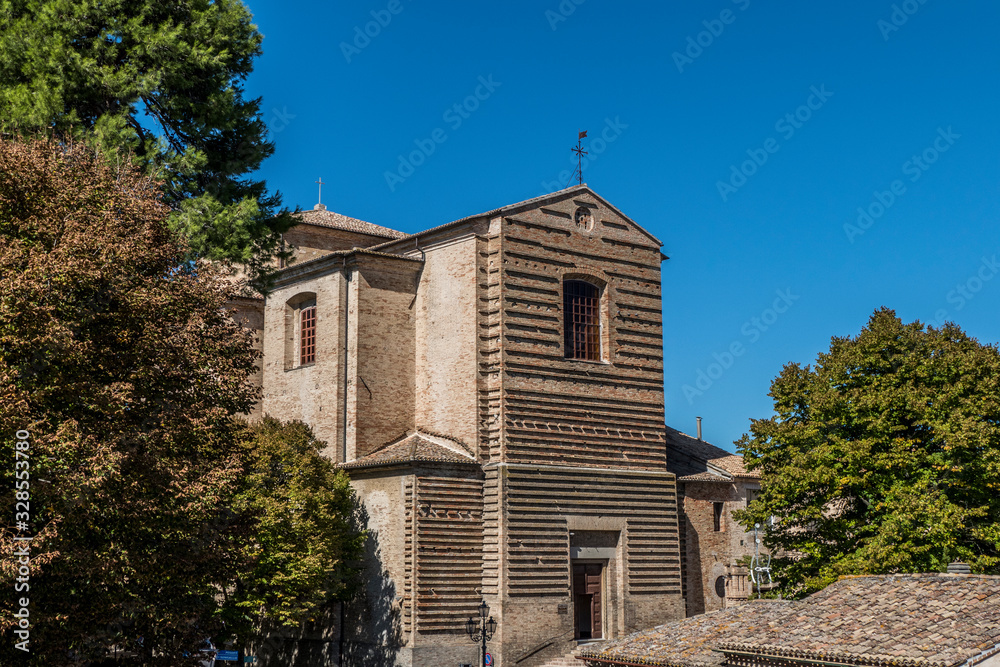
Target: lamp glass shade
x,y
484,610
470,626
491,626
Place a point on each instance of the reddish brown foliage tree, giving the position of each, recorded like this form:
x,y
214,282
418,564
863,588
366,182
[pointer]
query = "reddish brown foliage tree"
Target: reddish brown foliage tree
x,y
122,364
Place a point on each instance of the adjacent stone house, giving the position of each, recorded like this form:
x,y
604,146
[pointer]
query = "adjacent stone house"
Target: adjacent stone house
x,y
711,483
494,388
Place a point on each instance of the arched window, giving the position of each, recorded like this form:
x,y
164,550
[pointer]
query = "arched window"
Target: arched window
x,y
307,336
582,320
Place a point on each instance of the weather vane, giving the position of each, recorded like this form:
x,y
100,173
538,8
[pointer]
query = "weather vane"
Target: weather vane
x,y
578,149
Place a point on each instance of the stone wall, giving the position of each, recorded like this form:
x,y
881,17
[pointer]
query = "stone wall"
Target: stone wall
x,y
250,314
710,554
315,393
423,565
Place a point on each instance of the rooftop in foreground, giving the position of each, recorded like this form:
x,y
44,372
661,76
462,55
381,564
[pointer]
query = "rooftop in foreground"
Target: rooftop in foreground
x,y
689,642
907,620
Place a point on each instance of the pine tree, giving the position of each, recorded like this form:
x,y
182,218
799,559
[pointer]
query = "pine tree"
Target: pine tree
x,y
159,83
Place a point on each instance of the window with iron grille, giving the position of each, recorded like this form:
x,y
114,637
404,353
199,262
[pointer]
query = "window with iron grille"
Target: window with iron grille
x,y
307,336
582,320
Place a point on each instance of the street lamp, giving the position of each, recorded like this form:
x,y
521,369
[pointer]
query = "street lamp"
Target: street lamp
x,y
483,628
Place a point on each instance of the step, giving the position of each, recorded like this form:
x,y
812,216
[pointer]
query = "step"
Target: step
x,y
568,659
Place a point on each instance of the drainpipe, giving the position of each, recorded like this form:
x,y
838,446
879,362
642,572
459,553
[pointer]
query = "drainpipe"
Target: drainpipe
x,y
343,414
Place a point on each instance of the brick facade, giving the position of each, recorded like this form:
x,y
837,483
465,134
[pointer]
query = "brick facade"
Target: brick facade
x,y
488,463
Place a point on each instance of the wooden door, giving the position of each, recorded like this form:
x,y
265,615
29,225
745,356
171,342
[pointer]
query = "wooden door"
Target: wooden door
x,y
587,581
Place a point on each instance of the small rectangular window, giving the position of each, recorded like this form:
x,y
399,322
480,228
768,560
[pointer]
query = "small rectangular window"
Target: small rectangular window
x,y
718,518
307,349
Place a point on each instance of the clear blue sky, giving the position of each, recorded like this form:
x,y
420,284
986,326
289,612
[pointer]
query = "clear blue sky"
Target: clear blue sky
x,y
922,83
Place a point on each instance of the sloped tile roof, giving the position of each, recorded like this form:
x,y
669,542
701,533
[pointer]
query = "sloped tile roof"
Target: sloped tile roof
x,y
527,203
706,477
414,447
733,464
688,456
906,620
325,218
688,643
932,620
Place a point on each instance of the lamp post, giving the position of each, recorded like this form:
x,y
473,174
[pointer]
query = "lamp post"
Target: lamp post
x,y
482,629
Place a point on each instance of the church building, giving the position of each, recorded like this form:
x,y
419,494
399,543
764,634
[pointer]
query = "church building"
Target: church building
x,y
494,389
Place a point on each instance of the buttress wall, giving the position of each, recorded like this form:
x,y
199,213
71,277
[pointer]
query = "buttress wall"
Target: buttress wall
x,y
380,353
445,339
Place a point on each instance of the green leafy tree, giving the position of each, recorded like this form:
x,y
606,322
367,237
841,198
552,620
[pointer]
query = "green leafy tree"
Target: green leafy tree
x,y
306,548
158,516
884,457
161,84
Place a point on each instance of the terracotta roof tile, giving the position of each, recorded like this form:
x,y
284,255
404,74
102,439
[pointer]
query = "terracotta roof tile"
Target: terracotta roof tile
x,y
414,447
907,620
572,190
689,456
733,464
688,642
325,218
706,477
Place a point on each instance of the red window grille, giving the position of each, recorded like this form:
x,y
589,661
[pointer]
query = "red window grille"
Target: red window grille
x,y
582,320
307,350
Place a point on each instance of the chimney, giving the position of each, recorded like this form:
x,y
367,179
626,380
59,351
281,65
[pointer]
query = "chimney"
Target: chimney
x,y
699,427
958,567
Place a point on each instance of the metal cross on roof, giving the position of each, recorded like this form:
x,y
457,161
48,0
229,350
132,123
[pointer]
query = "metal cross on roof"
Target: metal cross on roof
x,y
319,202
